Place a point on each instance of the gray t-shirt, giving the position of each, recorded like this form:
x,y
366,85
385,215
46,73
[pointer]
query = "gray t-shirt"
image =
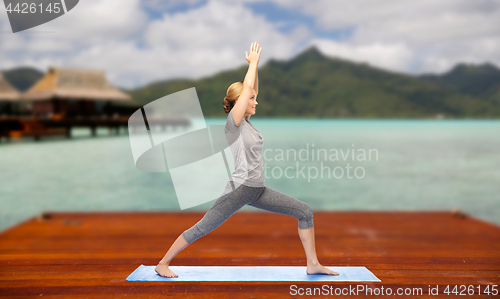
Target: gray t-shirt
x,y
246,144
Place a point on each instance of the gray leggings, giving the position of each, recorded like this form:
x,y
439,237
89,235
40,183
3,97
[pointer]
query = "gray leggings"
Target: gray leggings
x,y
260,197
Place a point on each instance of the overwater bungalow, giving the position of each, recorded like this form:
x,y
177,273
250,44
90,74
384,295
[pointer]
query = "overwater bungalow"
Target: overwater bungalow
x,y
72,93
65,98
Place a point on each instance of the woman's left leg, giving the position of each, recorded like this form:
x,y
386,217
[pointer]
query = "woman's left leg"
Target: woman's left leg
x,y
278,202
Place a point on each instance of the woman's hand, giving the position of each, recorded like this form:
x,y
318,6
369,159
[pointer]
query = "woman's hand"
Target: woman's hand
x,y
254,55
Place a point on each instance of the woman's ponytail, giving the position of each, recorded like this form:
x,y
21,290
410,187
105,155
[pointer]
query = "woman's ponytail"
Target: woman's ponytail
x,y
228,105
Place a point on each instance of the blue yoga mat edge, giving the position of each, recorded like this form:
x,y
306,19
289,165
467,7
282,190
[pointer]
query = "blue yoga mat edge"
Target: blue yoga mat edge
x,y
254,273
134,272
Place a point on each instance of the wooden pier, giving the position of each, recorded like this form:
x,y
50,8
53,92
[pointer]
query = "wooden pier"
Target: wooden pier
x,y
65,98
89,255
19,127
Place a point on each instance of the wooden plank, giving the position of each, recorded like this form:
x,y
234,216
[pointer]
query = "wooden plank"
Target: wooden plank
x,y
89,255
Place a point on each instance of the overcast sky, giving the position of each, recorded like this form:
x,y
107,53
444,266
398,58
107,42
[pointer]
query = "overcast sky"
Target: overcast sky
x,y
138,42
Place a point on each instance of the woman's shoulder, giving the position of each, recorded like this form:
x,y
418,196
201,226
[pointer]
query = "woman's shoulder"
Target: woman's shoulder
x,y
231,124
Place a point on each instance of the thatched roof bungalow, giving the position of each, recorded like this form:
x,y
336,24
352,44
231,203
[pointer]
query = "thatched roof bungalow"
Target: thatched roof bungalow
x,y
65,92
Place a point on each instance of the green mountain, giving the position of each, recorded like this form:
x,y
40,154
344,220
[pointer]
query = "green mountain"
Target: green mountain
x,y
313,85
480,81
22,78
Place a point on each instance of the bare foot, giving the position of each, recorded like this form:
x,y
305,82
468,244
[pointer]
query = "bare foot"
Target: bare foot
x,y
319,269
164,271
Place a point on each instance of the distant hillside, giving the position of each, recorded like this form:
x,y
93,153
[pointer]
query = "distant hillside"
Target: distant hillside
x,y
312,85
481,81
22,78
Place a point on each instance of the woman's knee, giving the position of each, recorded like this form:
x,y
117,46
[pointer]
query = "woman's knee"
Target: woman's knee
x,y
308,211
306,221
192,234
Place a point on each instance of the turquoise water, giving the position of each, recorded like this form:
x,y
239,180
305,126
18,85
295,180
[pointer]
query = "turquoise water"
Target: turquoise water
x,y
415,165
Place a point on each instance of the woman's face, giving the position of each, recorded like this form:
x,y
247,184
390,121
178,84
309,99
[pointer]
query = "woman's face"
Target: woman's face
x,y
252,103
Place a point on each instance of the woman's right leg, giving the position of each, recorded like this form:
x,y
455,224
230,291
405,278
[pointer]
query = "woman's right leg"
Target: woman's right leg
x,y
278,202
221,210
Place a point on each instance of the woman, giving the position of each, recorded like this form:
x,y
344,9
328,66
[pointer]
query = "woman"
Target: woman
x,y
246,186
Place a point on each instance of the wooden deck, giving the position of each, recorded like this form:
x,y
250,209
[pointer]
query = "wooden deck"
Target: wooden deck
x,y
28,126
89,255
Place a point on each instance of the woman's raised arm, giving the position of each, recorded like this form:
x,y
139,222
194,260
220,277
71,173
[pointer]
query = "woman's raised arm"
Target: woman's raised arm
x,y
241,104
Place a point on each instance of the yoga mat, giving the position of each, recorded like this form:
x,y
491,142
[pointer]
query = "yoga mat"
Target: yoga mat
x,y
252,273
